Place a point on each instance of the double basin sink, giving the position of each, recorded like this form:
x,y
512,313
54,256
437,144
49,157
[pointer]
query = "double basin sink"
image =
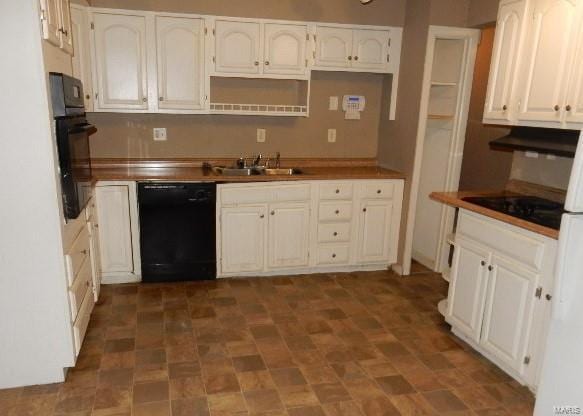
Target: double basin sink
x,y
256,170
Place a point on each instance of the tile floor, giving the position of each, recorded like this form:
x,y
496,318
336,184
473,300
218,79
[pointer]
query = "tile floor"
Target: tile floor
x,y
348,344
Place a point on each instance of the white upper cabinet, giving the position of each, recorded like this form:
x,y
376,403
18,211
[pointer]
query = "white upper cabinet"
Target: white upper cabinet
x,y
505,59
333,47
285,49
370,49
550,42
180,63
237,47
56,23
121,66
81,53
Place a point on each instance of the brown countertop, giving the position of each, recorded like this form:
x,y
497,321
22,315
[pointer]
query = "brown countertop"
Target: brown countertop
x,y
455,199
183,172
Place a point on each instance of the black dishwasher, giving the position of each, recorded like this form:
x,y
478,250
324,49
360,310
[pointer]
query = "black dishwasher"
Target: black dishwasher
x,y
177,231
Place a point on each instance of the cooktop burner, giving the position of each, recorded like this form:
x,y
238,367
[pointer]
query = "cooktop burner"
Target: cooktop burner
x,y
530,208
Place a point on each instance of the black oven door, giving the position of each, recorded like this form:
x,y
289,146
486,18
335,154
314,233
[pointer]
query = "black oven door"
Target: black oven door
x,y
74,163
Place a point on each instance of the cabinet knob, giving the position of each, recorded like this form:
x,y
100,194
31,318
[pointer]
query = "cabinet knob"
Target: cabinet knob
x,y
337,191
557,108
350,58
568,107
483,263
84,252
272,212
262,216
256,63
161,98
548,297
356,58
379,191
333,256
145,99
96,225
335,234
87,97
490,268
364,210
267,63
504,107
337,211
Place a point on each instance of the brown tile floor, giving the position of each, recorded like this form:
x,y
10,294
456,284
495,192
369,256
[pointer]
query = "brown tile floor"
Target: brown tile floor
x,y
349,344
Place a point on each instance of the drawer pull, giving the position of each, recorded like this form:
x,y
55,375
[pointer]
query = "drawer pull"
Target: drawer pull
x,y
335,234
379,191
337,211
334,255
490,268
364,210
262,216
483,263
84,252
272,212
337,191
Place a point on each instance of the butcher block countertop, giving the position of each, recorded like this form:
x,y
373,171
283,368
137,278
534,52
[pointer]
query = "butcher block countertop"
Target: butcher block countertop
x,y
455,199
192,170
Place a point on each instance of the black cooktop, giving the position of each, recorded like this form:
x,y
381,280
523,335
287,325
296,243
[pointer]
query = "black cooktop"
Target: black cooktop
x,y
529,208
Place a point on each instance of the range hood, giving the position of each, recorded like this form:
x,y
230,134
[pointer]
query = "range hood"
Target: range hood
x,y
532,139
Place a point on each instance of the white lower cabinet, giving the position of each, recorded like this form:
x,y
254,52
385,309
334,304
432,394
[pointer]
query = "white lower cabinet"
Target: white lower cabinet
x,y
495,301
242,238
118,231
312,226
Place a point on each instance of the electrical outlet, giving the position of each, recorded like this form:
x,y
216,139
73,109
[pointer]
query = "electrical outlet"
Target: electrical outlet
x,y
261,135
160,134
331,135
333,106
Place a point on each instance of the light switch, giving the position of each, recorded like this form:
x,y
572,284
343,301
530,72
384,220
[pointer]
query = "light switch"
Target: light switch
x,y
331,135
160,134
333,106
261,135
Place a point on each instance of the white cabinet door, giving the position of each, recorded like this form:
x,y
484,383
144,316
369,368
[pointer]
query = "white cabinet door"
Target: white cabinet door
x,y
467,288
180,57
66,38
549,45
238,47
288,235
574,101
243,231
505,60
333,47
370,49
285,49
50,21
375,231
120,53
115,229
509,312
81,53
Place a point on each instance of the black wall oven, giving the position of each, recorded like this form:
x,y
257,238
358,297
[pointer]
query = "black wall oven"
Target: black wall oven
x,y
72,133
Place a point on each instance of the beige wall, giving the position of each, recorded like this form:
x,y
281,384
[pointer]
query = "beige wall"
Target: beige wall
x,y
379,12
483,168
130,135
482,12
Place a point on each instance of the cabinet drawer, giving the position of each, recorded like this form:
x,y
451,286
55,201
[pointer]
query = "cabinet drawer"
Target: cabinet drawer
x,y
336,191
333,254
82,321
335,211
299,192
79,288
78,253
247,195
334,232
378,189
502,238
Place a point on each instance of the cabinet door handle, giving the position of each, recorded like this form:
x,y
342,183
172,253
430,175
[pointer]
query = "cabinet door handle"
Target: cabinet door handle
x,y
504,107
262,216
483,263
356,58
490,268
161,98
272,212
568,107
87,97
379,192
256,63
333,256
337,212
335,234
145,99
337,191
364,210
350,58
267,63
548,297
557,108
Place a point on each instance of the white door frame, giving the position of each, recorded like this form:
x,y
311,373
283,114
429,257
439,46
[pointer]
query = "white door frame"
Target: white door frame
x,y
472,38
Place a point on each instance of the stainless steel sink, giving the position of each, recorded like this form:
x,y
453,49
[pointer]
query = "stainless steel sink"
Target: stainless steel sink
x,y
282,171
